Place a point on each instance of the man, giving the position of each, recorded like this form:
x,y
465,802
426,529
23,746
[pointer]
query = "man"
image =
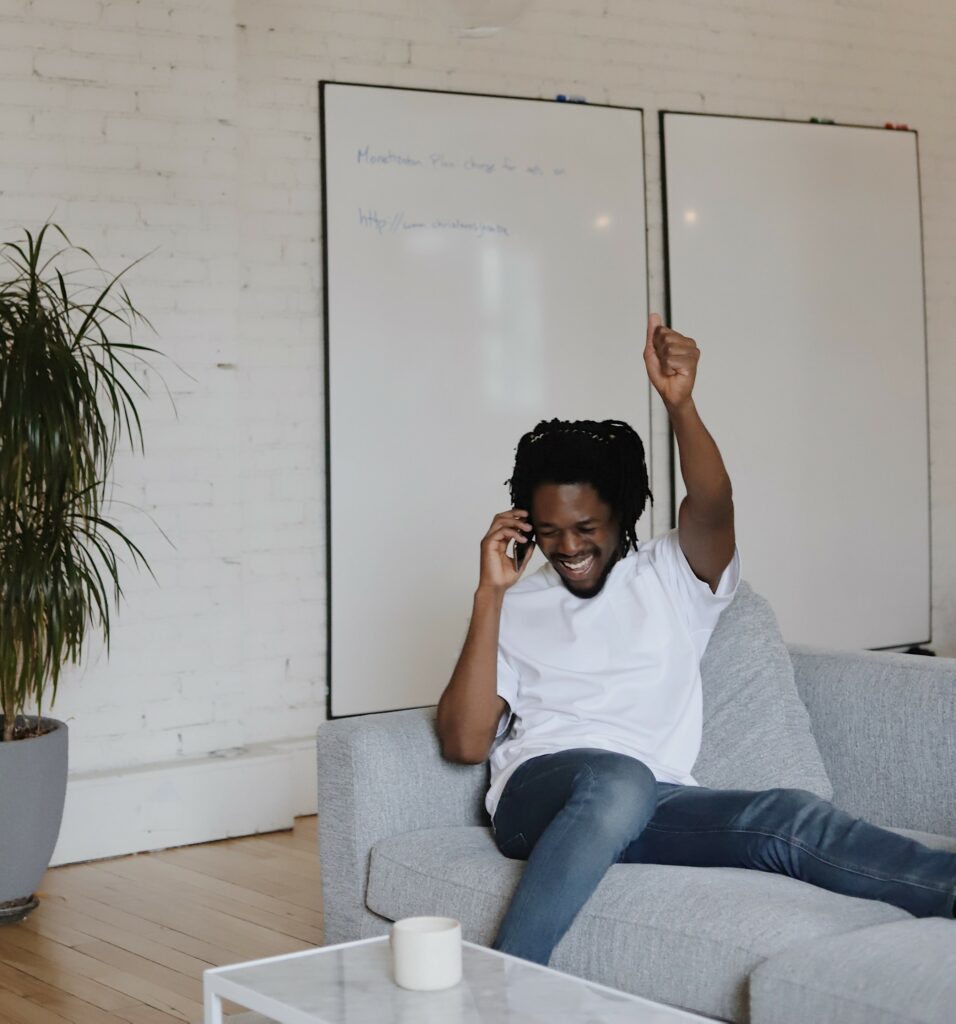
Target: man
x,y
587,673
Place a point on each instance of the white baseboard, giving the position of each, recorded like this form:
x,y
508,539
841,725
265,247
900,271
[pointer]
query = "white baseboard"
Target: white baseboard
x,y
259,788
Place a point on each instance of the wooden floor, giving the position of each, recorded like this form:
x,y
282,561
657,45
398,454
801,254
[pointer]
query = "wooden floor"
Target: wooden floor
x,y
127,940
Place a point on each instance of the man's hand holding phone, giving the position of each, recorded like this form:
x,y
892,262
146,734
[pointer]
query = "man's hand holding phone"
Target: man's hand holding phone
x,y
499,569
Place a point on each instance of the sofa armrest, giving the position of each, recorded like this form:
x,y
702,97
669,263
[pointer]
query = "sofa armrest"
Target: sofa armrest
x,y
886,727
381,775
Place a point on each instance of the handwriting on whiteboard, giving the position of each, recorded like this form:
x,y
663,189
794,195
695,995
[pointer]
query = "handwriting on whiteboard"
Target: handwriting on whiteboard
x,y
398,223
441,162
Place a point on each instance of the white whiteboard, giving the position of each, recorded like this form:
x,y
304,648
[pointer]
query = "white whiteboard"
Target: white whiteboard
x,y
486,268
795,261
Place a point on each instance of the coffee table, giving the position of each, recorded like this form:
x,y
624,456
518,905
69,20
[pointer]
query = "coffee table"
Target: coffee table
x,y
352,984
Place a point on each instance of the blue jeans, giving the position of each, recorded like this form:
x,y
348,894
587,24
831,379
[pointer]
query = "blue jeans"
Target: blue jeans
x,y
573,814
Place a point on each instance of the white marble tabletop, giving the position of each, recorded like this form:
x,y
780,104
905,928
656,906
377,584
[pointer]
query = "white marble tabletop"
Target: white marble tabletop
x,y
352,984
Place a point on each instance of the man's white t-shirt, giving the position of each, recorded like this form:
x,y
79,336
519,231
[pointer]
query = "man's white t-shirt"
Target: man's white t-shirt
x,y
619,671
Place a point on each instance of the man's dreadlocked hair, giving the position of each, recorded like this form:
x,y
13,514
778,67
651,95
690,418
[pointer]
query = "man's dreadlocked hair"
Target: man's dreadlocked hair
x,y
608,455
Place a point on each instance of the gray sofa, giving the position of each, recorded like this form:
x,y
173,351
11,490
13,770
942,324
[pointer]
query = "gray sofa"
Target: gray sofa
x,y
403,832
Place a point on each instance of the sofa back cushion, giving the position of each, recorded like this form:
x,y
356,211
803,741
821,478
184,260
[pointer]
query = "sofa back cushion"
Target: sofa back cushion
x,y
756,729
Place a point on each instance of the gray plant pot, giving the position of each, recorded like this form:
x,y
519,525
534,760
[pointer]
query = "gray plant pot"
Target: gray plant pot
x,y
32,791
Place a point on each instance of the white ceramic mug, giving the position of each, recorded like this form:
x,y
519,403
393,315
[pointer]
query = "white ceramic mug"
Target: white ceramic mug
x,y
426,953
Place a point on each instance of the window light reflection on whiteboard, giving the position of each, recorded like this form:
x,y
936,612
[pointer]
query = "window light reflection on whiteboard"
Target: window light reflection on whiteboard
x,y
491,286
512,344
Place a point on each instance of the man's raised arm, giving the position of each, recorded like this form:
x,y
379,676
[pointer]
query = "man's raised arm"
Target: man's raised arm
x,y
705,523
470,708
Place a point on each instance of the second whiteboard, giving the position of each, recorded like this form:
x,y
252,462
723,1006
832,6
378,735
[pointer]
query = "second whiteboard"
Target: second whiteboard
x,y
795,260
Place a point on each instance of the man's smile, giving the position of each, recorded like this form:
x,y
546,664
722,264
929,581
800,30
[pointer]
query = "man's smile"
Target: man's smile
x,y
577,568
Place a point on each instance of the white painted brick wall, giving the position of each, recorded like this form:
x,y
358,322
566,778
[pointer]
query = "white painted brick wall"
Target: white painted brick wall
x,y
191,128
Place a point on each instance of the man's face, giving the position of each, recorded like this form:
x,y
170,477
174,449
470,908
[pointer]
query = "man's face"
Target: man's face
x,y
577,533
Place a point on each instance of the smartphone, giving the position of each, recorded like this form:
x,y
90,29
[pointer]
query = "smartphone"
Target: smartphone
x,y
520,552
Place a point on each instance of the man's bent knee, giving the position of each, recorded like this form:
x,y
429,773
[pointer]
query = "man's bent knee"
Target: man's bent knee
x,y
620,792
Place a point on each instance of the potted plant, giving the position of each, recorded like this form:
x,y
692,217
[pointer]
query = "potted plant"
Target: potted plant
x,y
66,401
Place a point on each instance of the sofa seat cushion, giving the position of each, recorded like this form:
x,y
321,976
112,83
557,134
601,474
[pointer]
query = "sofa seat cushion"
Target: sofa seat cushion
x,y
685,936
888,974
